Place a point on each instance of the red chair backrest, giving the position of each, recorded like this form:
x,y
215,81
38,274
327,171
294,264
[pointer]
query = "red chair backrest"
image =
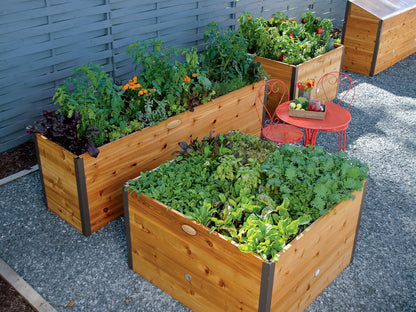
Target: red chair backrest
x,y
344,85
281,95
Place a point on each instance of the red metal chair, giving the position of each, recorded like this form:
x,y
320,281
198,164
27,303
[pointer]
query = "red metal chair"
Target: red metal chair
x,y
271,128
344,97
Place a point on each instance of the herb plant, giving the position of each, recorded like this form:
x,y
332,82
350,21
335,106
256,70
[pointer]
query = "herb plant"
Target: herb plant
x,y
286,40
252,191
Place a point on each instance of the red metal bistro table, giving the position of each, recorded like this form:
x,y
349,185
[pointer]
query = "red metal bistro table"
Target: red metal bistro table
x,y
336,119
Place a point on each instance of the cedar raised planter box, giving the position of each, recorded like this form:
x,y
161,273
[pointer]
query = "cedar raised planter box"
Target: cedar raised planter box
x,y
87,192
208,273
378,34
312,69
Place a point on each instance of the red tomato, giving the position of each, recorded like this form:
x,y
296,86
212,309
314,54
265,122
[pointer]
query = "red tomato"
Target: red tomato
x,y
281,57
319,30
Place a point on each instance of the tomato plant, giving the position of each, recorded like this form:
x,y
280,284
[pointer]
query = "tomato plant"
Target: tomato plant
x,y
286,40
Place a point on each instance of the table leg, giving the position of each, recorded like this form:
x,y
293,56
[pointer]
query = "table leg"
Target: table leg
x,y
310,137
342,138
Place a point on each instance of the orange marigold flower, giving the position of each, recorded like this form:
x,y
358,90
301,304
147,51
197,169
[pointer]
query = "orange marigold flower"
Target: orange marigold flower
x,y
194,75
141,92
145,91
125,87
186,79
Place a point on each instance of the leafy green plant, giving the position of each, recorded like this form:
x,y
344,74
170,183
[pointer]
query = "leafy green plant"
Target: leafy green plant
x,y
164,87
286,40
91,92
180,85
226,60
250,190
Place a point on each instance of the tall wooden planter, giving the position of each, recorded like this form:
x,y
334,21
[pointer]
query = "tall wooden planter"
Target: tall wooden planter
x,y
378,34
312,69
87,192
208,273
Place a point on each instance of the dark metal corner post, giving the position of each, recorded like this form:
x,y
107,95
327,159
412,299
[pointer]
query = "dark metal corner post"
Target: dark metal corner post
x,y
45,199
376,48
266,286
127,226
82,196
344,25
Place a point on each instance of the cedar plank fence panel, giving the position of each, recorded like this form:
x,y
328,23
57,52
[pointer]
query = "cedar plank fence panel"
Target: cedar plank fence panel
x,y
42,41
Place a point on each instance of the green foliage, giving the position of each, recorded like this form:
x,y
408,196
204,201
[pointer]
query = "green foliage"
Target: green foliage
x,y
285,39
184,79
251,191
226,60
170,81
180,85
302,101
91,92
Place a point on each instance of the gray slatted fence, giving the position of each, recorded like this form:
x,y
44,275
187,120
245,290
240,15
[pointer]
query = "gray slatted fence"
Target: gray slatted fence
x,y
42,41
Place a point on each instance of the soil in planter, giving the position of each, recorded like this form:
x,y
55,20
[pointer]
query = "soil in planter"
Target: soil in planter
x,y
17,159
11,300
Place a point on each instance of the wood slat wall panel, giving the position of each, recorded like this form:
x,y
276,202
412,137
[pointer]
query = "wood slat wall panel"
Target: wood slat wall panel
x,y
42,41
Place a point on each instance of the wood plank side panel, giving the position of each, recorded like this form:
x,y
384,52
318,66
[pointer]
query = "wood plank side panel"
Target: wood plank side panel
x,y
59,179
321,252
144,150
320,65
359,40
203,271
277,70
397,40
312,69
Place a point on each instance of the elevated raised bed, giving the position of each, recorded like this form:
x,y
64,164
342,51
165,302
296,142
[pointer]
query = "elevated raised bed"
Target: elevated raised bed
x,y
312,69
87,192
378,34
208,273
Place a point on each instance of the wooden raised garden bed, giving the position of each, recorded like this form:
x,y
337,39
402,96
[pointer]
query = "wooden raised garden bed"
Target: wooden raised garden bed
x,y
312,69
377,34
87,192
208,273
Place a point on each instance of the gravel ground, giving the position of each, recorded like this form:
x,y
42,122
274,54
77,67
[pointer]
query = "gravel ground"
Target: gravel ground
x,y
76,273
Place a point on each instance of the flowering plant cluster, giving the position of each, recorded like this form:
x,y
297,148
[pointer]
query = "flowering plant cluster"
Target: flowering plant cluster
x,y
307,85
287,40
93,110
222,67
135,91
